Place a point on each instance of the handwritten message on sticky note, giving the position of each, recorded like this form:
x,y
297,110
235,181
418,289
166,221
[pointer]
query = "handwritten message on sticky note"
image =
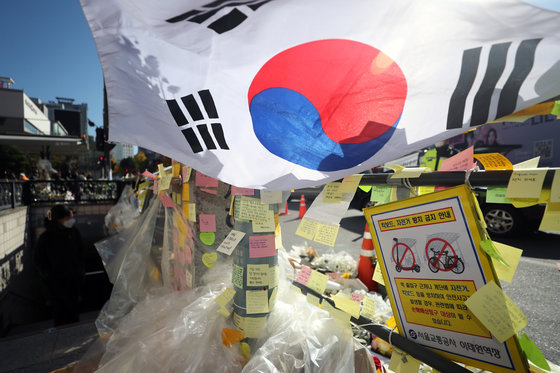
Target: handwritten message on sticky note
x,y
264,226
526,183
332,193
551,218
511,256
252,209
262,246
256,301
317,281
459,162
164,182
368,308
207,222
493,161
307,228
269,197
257,274
273,276
496,195
378,275
235,191
381,193
496,311
303,275
237,276
326,234
205,181
230,242
350,183
347,305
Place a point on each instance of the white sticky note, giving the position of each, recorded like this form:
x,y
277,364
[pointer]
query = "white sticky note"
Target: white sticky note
x,y
230,242
268,197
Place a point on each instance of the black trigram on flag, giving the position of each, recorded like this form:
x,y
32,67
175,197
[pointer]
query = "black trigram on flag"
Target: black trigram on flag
x,y
208,134
226,22
497,58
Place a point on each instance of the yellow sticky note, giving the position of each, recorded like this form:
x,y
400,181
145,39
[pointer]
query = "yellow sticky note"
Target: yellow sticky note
x,y
224,312
161,169
426,190
347,305
176,169
511,256
186,210
255,327
192,212
378,275
368,308
409,172
225,297
350,183
326,234
408,364
395,167
267,225
494,161
337,314
257,274
551,219
496,311
273,276
392,323
164,182
555,188
185,195
313,300
526,183
332,193
393,196
307,228
209,259
317,281
256,301
531,163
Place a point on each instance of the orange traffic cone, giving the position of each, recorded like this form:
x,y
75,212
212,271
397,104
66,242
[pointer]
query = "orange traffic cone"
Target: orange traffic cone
x,y
285,211
302,207
365,265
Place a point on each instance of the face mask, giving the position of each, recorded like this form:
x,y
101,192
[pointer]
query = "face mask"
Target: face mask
x,y
69,223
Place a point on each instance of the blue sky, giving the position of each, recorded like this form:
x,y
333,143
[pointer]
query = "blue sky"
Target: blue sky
x,y
48,50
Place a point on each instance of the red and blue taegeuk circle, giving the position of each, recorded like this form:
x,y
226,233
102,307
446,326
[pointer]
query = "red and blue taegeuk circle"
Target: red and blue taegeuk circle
x,y
327,105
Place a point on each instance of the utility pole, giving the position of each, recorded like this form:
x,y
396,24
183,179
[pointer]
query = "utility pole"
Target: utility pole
x,y
106,156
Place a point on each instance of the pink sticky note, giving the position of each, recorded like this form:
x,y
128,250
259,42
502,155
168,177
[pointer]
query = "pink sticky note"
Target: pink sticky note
x,y
235,191
185,173
261,246
205,181
166,201
357,297
459,162
188,254
179,255
148,174
155,186
304,274
207,223
211,191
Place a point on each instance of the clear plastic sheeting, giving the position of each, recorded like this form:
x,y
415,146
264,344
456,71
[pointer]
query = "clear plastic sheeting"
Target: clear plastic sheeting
x,y
303,338
172,332
124,213
134,269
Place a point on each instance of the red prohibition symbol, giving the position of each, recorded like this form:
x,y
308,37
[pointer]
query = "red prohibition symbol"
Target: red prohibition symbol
x,y
399,258
450,259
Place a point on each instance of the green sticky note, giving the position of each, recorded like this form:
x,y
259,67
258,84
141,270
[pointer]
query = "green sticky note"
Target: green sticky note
x,y
532,352
381,193
488,247
207,238
365,188
429,159
496,195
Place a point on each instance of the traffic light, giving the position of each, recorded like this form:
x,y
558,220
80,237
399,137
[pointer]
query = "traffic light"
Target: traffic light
x,y
99,139
101,158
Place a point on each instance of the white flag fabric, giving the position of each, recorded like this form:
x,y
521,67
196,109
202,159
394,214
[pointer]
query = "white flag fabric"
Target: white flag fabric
x,y
282,94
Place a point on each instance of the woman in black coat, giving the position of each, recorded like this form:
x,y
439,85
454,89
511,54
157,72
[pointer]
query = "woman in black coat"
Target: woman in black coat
x,y
58,256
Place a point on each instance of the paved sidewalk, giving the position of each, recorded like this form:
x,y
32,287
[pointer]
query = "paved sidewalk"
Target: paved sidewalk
x,y
46,350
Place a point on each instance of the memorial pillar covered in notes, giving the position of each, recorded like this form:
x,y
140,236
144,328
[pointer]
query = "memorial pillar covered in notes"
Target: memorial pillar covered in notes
x,y
255,261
